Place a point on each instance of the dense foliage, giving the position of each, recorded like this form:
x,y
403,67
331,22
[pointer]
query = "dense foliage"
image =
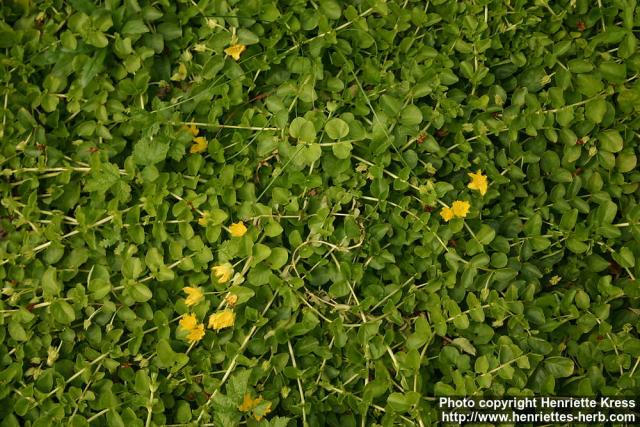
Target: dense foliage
x,y
261,212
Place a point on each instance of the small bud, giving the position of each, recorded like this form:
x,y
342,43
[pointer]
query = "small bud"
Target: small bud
x,y
34,372
211,23
284,391
231,299
545,80
52,356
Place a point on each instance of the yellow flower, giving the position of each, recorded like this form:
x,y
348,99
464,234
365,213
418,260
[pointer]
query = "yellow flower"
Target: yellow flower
x,y
248,403
194,295
222,319
447,214
204,219
181,74
192,129
235,50
237,229
478,182
259,414
188,321
199,145
223,272
231,299
196,333
460,208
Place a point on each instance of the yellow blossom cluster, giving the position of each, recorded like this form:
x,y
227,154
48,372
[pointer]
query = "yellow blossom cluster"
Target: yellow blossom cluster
x,y
238,229
249,404
223,272
200,143
460,208
235,50
196,330
219,320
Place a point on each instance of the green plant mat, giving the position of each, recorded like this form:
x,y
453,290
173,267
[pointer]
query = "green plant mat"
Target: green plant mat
x,y
281,213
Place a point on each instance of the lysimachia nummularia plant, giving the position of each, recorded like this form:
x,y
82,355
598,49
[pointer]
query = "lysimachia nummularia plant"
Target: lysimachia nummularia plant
x,y
281,213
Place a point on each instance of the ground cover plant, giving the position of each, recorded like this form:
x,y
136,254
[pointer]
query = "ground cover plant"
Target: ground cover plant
x,y
279,213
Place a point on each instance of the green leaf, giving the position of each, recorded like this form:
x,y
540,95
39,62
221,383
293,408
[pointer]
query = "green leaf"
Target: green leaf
x,y
613,72
102,179
607,212
626,161
302,129
62,311
50,283
402,402
486,234
132,267
149,151
625,257
559,367
576,246
589,85
140,292
97,39
330,8
596,109
260,252
154,259
8,37
170,30
99,288
247,37
610,141
134,26
166,355
17,331
310,153
278,258
465,345
568,220
342,150
411,116
336,128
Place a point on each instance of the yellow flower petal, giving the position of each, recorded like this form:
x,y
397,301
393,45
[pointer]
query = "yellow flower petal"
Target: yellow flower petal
x,y
248,403
204,219
223,272
478,182
188,322
235,51
222,319
259,413
447,214
237,229
196,334
231,299
460,208
194,295
192,129
181,74
200,144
